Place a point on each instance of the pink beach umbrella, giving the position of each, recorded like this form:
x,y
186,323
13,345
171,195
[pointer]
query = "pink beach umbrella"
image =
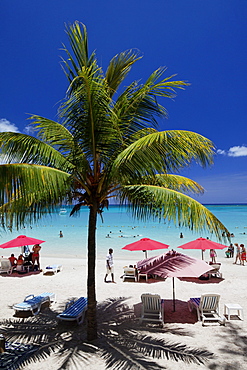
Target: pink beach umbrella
x,y
20,241
145,244
203,244
173,264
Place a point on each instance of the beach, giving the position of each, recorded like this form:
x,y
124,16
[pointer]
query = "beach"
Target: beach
x,y
227,343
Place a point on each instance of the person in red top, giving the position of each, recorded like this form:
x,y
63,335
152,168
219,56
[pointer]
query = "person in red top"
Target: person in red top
x,y
243,254
13,260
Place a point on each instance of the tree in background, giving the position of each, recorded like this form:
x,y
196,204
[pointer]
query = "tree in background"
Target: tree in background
x,y
106,144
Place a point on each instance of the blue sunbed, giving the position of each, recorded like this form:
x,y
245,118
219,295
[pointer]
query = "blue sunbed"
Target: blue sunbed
x,y
33,303
74,310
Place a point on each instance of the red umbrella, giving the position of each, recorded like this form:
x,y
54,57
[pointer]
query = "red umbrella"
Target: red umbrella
x,y
145,244
173,264
20,241
202,243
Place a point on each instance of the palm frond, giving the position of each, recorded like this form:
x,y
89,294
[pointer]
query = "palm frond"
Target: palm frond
x,y
178,182
119,67
16,147
87,115
137,106
28,191
79,59
153,201
164,152
61,139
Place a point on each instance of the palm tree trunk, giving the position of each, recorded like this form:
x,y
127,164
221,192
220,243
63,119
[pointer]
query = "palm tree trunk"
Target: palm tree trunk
x,y
91,293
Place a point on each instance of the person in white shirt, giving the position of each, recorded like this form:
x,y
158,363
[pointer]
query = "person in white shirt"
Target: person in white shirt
x,y
109,265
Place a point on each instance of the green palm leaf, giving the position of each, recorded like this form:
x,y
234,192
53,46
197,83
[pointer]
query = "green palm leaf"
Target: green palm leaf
x,y
153,201
163,152
119,67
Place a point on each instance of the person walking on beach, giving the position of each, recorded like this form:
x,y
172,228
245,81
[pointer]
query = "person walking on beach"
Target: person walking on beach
x,y
109,265
243,254
35,255
213,255
238,251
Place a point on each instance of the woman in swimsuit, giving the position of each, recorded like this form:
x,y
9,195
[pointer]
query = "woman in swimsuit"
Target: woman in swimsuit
x,y
35,255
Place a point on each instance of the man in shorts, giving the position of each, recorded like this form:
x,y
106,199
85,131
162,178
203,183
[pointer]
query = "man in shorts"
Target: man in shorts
x,y
109,265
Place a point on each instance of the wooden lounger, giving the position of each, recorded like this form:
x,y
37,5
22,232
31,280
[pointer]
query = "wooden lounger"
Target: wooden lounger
x,y
74,310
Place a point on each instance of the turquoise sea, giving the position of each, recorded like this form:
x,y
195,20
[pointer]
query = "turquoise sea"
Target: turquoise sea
x,y
122,229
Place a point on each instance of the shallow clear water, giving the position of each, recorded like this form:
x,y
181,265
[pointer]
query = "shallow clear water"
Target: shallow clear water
x,y
122,229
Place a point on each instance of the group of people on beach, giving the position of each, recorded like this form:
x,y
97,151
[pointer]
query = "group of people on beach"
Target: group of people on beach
x,y
240,253
29,260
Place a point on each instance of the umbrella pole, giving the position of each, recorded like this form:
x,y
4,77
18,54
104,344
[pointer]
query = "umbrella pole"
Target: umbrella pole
x,y
173,293
203,254
146,255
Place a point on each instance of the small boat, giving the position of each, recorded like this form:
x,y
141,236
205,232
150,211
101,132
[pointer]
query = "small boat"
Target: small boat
x,y
62,211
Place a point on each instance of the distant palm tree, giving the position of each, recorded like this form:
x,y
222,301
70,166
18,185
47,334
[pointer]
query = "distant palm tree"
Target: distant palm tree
x,y
122,343
106,145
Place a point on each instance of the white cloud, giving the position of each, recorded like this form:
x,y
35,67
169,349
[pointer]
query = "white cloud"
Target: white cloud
x,y
6,126
238,151
235,151
223,152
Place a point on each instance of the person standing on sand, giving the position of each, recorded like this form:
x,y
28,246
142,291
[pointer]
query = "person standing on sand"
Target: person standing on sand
x,y
243,254
109,265
213,255
237,253
35,254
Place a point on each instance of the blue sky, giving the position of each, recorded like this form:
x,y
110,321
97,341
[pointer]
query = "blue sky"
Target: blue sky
x,y
203,42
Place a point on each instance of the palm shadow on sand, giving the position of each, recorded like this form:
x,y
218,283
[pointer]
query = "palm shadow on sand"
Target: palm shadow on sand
x,y
122,342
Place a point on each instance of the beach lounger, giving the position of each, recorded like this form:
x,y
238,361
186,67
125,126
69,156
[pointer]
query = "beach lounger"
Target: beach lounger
x,y
52,269
129,273
33,303
215,272
5,266
74,310
207,308
152,308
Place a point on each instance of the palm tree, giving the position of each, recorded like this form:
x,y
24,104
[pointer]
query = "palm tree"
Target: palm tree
x,y
106,144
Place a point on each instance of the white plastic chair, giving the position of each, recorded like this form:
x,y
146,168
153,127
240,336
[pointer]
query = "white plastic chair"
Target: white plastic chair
x,y
152,308
5,266
207,308
129,273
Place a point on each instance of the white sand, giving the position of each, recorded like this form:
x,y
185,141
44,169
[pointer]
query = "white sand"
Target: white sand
x,y
227,343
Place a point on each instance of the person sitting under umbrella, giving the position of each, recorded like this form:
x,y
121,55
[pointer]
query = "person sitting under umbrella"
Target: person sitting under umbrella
x,y
13,260
19,263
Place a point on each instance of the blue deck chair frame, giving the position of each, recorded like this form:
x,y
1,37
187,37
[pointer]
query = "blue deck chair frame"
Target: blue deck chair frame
x,y
33,303
74,310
